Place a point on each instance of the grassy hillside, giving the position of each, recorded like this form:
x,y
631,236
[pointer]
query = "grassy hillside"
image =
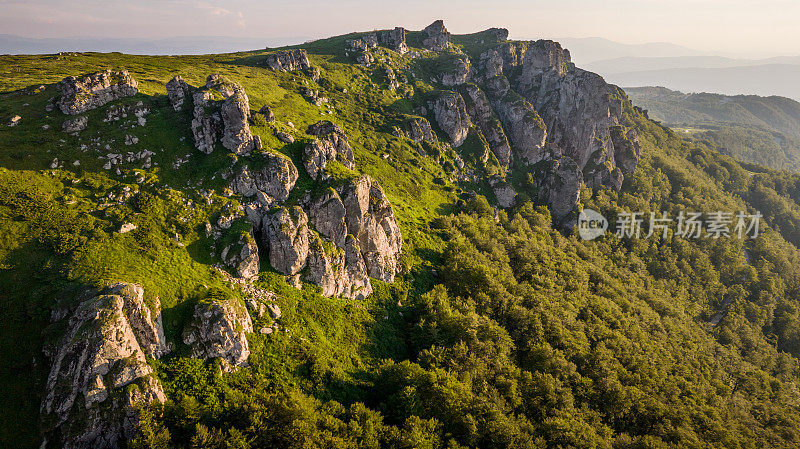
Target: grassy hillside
x,y
500,332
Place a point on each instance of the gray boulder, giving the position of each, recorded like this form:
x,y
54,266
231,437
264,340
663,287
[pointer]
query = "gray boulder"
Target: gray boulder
x,y
331,144
275,179
92,91
235,112
88,400
75,125
286,236
219,328
418,129
394,39
288,60
267,113
326,213
451,115
207,123
339,273
178,91
242,256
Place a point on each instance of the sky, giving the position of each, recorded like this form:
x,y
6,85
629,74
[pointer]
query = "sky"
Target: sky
x,y
736,27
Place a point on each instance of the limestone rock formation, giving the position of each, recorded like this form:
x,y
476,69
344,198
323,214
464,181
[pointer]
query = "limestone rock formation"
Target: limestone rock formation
x,y
337,272
269,116
626,148
219,328
459,73
370,218
205,124
286,236
482,114
437,36
288,60
75,125
418,129
394,39
326,213
559,186
363,43
88,401
242,256
451,116
178,92
275,179
235,112
331,144
502,191
92,91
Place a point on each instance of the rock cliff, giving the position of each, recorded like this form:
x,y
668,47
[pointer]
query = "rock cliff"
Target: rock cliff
x,y
219,329
288,60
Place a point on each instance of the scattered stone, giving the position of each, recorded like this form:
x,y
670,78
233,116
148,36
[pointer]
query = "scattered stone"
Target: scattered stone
x,y
75,125
131,140
284,137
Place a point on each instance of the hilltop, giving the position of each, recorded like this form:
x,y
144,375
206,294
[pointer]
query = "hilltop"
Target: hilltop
x,y
369,241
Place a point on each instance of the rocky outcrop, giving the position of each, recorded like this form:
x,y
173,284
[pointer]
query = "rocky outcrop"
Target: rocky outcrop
x,y
626,148
458,73
235,112
437,36
272,182
503,191
92,91
370,219
338,273
288,60
75,125
242,256
286,235
330,145
363,43
418,129
224,121
327,215
99,373
394,39
178,92
269,116
482,114
219,328
526,129
559,185
451,116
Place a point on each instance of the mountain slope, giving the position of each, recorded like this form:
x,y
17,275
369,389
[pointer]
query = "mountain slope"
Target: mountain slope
x,y
502,328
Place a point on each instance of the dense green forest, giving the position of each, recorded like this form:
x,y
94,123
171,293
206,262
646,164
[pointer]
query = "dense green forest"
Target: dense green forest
x,y
501,329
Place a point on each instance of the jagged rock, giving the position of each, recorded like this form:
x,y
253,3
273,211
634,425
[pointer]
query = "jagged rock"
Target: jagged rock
x,y
92,91
286,236
502,191
221,84
370,218
219,328
326,213
482,114
526,130
267,113
340,273
559,186
451,116
288,60
394,39
76,124
206,124
177,91
131,140
365,58
437,36
235,112
626,148
275,179
242,256
100,355
331,144
284,137
419,129
459,73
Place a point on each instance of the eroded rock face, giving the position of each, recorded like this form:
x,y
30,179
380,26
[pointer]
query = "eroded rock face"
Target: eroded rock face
x,y
92,91
206,124
559,186
75,125
242,257
286,235
419,129
288,60
337,272
526,130
275,179
451,115
326,214
219,328
370,218
235,112
437,36
459,73
331,144
101,354
503,191
394,39
482,114
178,92
626,148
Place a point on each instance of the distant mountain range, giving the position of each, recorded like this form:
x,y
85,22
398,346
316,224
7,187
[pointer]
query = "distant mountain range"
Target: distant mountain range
x,y
763,130
189,45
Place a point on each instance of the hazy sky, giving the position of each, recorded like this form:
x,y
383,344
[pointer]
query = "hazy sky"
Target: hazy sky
x,y
752,27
